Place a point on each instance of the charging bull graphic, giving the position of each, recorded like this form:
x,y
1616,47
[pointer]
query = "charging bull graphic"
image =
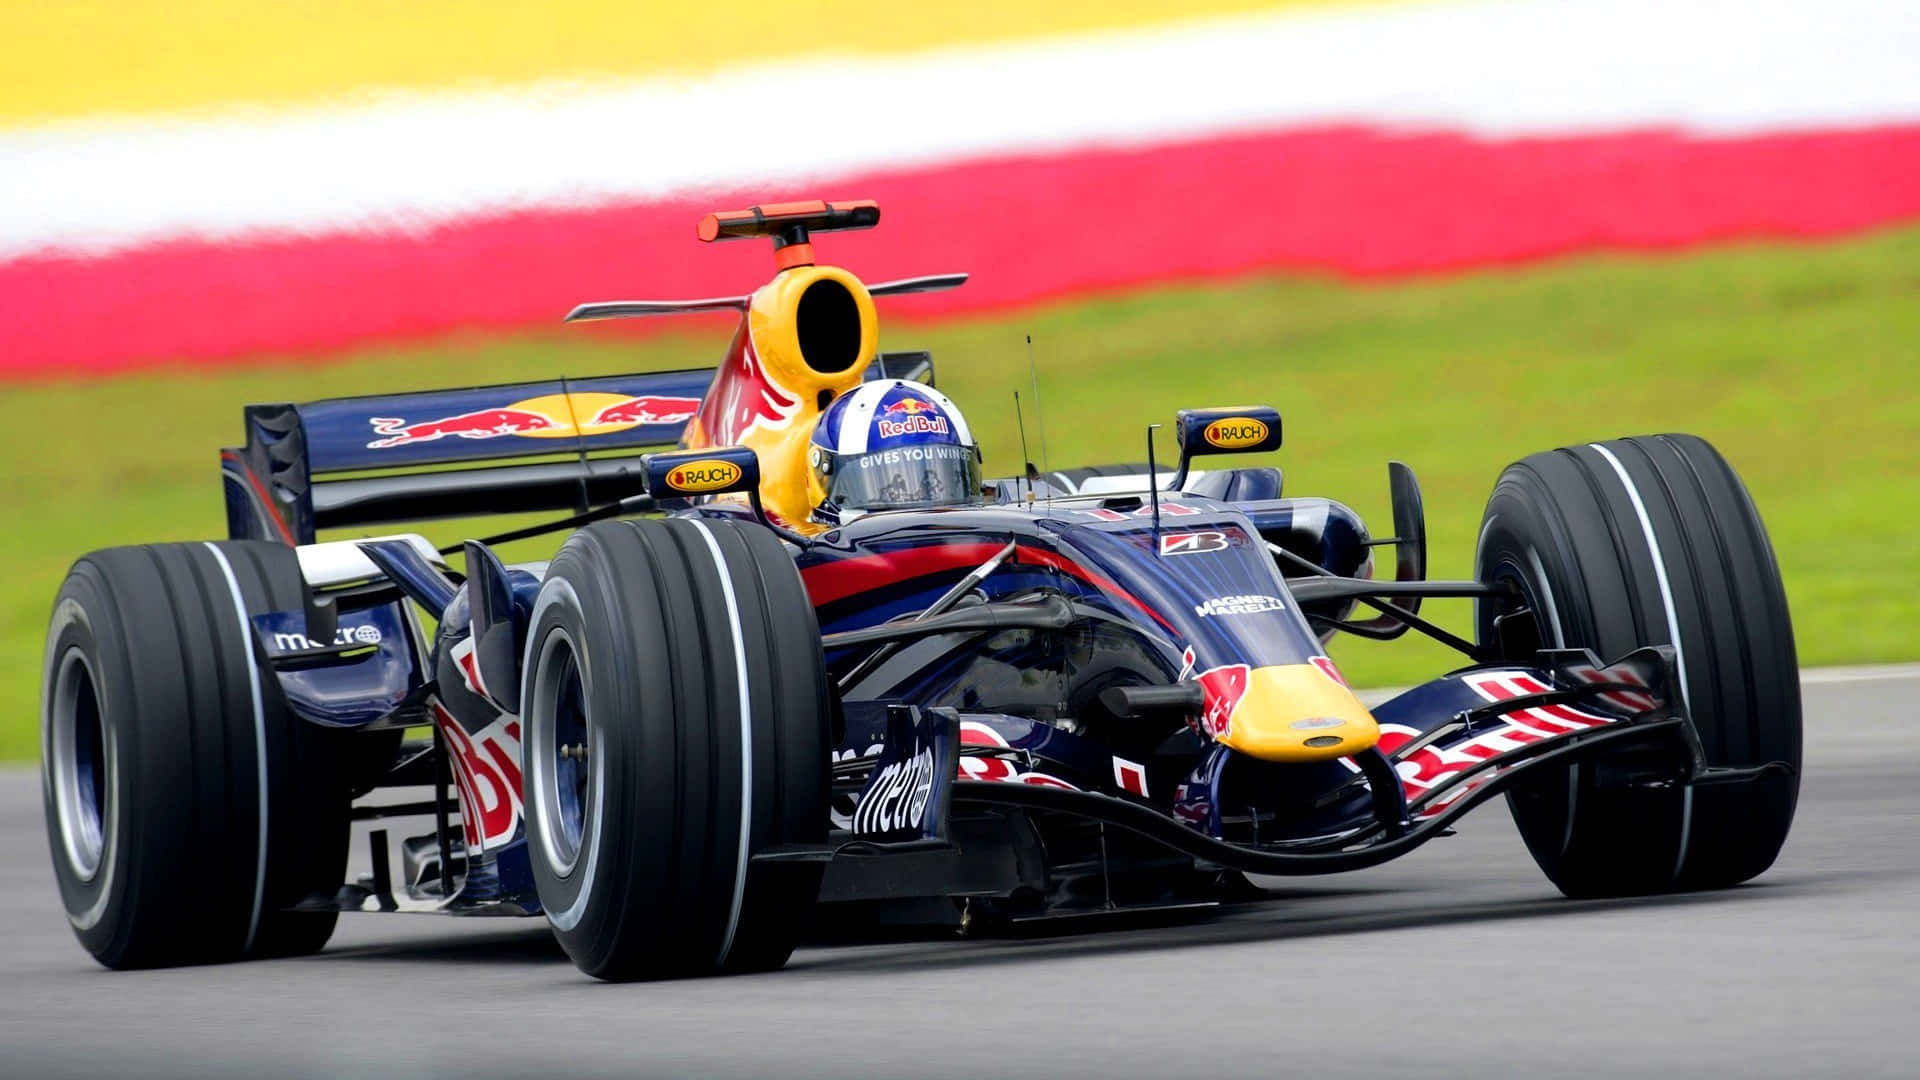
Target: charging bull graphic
x,y
549,416
483,424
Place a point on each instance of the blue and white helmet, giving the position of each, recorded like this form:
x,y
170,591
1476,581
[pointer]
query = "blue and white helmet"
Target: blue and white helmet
x,y
891,445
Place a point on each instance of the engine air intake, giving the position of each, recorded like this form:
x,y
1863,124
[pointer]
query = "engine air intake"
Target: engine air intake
x,y
828,326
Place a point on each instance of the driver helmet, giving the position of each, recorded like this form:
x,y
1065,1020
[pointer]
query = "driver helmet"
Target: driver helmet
x,y
891,444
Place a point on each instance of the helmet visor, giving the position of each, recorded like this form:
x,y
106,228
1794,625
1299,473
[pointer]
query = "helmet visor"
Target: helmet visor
x,y
911,477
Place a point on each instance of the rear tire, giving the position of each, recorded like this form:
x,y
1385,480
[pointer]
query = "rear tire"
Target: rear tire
x,y
159,721
1653,541
683,655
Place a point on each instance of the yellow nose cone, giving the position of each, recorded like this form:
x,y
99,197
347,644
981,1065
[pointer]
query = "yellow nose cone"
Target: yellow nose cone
x,y
1295,713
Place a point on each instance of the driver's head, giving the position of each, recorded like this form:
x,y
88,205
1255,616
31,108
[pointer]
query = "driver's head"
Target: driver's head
x,y
891,445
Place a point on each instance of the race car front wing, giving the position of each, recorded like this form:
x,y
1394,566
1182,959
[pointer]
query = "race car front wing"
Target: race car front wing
x,y
1428,771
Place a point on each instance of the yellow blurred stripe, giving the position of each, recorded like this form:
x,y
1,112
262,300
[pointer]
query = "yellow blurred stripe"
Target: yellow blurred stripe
x,y
61,59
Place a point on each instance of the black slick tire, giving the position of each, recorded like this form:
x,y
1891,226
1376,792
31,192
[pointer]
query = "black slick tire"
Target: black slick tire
x,y
677,715
1652,541
186,806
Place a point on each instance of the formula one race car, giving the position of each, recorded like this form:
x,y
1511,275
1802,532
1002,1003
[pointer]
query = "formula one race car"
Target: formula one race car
x,y
812,659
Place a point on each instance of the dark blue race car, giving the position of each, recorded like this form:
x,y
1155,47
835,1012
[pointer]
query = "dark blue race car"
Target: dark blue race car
x,y
810,661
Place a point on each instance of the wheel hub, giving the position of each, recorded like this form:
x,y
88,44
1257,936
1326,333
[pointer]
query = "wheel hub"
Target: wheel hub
x,y
561,751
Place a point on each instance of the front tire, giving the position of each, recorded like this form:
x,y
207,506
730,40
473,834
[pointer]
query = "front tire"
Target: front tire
x,y
1652,541
676,704
186,806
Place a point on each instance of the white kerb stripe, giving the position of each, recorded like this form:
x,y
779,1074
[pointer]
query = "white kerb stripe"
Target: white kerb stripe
x,y
1494,68
259,738
746,740
1673,634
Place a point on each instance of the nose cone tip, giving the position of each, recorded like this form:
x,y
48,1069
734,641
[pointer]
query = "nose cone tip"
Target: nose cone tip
x,y
1296,713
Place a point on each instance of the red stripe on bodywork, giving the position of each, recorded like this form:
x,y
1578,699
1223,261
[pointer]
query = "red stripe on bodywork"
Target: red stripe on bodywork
x,y
837,580
1103,584
1352,199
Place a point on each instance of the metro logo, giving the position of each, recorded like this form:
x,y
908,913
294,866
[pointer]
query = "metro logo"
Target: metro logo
x,y
897,797
708,474
343,637
1236,433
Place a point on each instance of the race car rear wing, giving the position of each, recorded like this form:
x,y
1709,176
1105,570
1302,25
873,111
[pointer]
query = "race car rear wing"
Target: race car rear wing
x,y
384,459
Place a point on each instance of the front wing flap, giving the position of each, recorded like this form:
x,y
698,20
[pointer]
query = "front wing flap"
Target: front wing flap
x,y
1448,745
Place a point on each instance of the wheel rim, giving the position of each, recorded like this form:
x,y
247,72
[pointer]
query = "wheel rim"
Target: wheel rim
x,y
1544,633
1530,629
561,749
78,764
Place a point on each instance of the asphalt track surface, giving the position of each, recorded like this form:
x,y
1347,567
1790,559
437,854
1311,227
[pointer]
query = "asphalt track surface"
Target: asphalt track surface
x,y
1457,960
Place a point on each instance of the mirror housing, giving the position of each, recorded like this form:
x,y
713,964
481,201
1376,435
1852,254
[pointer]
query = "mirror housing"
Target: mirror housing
x,y
719,470
1409,542
1246,429
694,474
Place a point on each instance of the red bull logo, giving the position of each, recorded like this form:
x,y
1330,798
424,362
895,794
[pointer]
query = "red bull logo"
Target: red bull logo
x,y
913,419
1325,664
647,409
549,416
486,770
1222,687
482,424
999,769
746,398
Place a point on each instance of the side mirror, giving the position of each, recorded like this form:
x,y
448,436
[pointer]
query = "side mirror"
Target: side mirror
x,y
720,470
1409,542
496,639
1248,429
693,474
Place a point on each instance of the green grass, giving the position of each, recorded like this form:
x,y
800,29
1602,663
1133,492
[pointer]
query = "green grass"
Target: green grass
x,y
1799,363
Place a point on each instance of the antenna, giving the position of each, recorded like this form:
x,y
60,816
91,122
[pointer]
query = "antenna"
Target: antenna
x,y
1025,459
1153,479
581,502
1039,420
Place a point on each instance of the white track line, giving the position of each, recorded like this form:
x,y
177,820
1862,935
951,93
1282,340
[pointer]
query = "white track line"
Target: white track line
x,y
1835,676
1822,676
